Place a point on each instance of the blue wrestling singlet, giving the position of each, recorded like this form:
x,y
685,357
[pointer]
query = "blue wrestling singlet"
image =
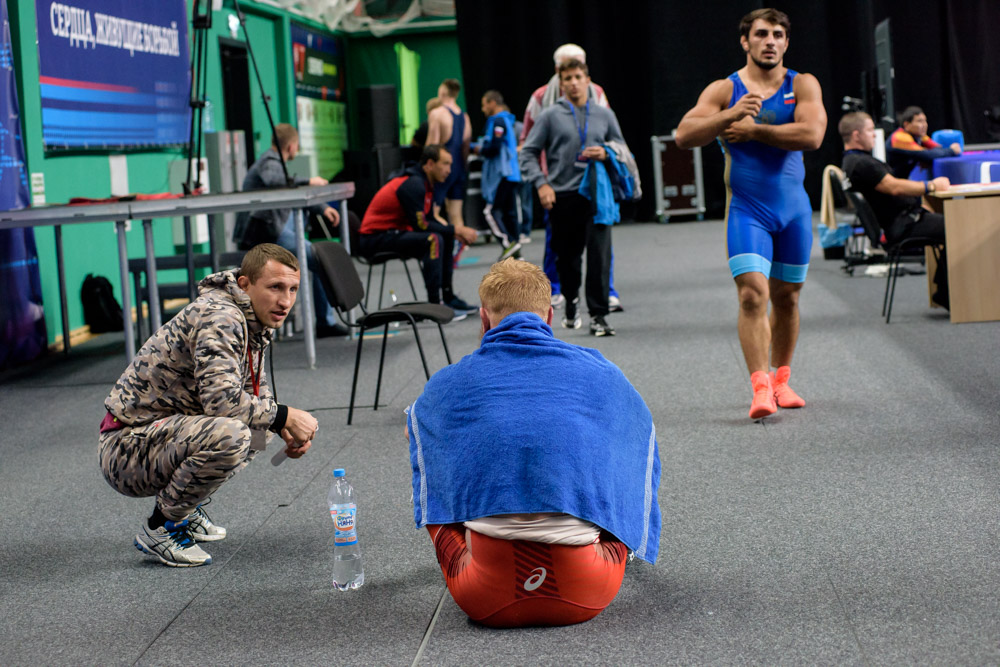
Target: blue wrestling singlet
x,y
768,215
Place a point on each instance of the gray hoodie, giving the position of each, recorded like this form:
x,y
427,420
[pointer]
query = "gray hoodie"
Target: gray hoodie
x,y
557,133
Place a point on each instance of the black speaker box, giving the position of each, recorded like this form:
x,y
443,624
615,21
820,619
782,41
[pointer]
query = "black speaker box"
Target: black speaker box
x,y
378,116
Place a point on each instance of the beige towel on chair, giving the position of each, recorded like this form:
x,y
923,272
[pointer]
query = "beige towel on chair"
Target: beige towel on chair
x,y
827,209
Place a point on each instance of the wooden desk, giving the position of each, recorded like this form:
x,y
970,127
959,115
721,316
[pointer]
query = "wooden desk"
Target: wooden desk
x,y
972,239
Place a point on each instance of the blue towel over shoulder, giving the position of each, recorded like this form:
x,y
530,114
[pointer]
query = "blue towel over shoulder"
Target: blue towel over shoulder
x,y
528,423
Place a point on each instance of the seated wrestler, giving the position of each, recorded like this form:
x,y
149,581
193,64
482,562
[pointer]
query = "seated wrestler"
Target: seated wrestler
x,y
532,511
910,152
401,218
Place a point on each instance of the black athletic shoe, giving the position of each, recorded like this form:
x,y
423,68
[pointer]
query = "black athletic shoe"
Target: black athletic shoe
x,y
600,327
459,305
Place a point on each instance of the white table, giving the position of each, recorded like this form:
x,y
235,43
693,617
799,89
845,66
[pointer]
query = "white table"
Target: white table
x,y
121,212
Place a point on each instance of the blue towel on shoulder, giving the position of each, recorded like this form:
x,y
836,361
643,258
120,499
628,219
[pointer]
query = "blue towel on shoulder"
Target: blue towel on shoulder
x,y
580,442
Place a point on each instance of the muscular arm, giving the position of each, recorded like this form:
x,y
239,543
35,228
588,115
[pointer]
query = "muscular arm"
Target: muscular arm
x,y
805,133
466,139
435,126
709,117
901,187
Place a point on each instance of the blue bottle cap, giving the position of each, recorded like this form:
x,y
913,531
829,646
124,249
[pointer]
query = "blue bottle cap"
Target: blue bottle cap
x,y
338,472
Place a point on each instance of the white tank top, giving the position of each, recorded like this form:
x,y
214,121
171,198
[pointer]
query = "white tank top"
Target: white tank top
x,y
547,527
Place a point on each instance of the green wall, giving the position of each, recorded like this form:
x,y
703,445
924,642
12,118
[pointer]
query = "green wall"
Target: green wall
x,y
92,248
372,61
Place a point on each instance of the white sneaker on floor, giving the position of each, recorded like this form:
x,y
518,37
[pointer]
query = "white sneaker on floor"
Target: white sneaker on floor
x,y
572,320
172,544
615,304
202,528
524,239
558,300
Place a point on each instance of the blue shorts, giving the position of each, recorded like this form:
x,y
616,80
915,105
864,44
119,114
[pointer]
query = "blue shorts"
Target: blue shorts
x,y
452,188
776,243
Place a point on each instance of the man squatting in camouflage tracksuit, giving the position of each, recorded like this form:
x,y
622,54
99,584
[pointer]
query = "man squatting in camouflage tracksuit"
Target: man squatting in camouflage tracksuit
x,y
194,406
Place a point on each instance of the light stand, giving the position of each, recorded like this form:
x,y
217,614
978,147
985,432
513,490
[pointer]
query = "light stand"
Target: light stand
x,y
263,94
201,21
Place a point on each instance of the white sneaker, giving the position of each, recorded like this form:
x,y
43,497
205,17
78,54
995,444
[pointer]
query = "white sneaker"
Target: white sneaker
x,y
615,304
525,239
558,300
201,527
510,251
172,544
572,320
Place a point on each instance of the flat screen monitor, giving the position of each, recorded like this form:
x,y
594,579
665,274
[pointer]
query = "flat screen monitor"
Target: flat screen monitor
x,y
885,72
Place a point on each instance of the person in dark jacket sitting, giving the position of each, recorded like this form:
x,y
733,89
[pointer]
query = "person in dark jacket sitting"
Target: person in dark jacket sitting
x,y
278,225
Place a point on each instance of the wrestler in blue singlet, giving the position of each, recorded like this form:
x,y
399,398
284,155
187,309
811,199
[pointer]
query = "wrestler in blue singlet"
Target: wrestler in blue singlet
x,y
767,210
454,186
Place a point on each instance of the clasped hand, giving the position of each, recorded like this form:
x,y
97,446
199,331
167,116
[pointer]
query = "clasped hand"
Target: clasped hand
x,y
300,428
745,110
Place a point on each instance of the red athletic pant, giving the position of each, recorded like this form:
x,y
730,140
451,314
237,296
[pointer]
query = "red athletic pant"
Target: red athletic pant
x,y
515,583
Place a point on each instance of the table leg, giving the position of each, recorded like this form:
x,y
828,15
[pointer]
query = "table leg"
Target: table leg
x,y
345,238
189,254
126,296
63,302
154,291
305,289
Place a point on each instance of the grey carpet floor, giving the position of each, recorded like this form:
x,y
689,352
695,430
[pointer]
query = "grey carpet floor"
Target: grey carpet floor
x,y
862,529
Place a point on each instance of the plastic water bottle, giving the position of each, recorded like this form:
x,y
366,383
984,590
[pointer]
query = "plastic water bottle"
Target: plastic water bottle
x,y
348,572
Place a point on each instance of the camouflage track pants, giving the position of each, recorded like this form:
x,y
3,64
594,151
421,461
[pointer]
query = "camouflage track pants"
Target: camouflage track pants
x,y
181,460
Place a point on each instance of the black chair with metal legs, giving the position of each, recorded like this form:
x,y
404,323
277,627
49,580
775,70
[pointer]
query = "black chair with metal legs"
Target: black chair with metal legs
x,y
894,251
378,259
895,255
341,279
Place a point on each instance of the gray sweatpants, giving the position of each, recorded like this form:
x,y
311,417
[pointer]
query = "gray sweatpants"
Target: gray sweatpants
x,y
181,460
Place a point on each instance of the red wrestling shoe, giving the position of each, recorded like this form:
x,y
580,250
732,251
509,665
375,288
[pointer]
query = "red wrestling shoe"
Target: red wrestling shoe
x,y
784,396
763,396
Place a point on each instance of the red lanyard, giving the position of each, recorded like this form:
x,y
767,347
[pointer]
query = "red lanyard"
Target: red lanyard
x,y
255,379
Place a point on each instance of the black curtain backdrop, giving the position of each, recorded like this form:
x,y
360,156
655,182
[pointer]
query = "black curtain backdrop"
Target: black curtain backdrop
x,y
653,59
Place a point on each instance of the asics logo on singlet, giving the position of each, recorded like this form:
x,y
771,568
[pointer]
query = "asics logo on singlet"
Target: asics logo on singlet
x,y
535,580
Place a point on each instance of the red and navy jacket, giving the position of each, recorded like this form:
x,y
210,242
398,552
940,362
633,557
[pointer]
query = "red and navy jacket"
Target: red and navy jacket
x,y
404,203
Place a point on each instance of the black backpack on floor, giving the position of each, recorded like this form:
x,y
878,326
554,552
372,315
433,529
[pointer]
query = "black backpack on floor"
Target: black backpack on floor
x,y
101,311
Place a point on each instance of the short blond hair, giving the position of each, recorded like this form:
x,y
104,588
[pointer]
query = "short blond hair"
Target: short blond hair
x,y
514,286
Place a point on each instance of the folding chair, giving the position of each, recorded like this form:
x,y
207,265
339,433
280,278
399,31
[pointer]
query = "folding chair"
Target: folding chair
x,y
340,277
379,258
895,251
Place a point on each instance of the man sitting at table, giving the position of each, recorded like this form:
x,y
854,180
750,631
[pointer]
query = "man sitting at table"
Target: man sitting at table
x,y
909,148
532,511
896,201
278,225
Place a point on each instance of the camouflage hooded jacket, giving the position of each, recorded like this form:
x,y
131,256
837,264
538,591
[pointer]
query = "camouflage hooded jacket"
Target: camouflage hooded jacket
x,y
198,363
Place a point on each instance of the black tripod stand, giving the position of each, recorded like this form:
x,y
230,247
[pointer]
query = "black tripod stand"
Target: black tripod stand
x,y
263,94
201,23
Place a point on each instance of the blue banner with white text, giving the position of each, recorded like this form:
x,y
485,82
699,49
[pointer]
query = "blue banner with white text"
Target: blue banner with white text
x,y
22,320
113,73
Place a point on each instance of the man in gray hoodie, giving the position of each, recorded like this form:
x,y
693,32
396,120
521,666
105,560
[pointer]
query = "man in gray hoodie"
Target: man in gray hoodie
x,y
194,406
571,133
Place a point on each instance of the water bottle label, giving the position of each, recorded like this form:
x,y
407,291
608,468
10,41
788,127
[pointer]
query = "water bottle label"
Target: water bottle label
x,y
344,532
